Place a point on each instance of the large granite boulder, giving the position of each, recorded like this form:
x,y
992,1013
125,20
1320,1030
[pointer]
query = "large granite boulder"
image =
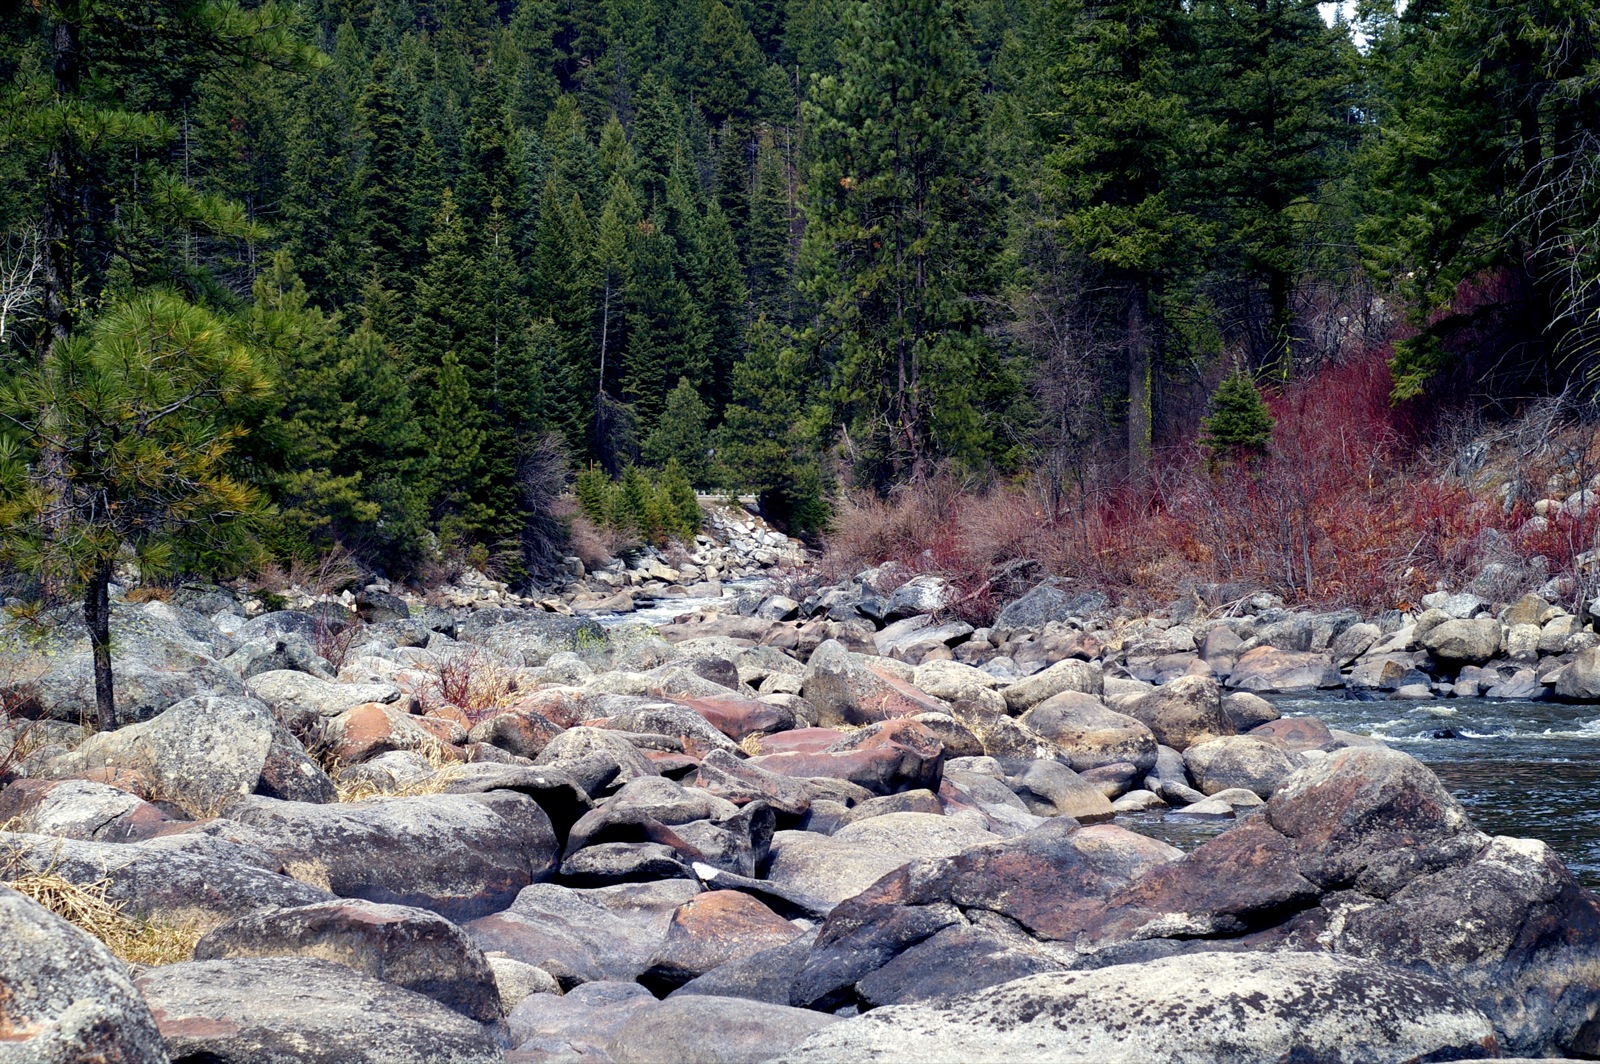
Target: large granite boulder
x,y
481,849
203,752
1238,761
845,688
64,999
153,882
1089,734
1184,712
299,1010
1267,669
1211,1009
411,948
712,1030
1457,643
80,809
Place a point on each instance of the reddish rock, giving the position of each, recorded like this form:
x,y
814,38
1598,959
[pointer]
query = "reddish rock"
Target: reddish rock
x,y
1295,734
372,728
562,706
844,688
712,929
80,809
886,758
739,717
519,731
800,740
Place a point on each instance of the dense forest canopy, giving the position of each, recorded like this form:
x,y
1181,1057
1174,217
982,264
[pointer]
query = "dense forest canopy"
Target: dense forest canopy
x,y
784,244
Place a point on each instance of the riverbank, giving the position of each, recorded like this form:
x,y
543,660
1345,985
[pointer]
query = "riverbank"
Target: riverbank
x,y
809,823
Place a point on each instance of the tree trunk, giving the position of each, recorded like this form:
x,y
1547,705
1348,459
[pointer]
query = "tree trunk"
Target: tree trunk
x,y
1139,371
97,616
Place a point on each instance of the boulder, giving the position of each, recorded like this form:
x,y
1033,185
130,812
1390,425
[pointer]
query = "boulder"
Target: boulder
x,y
1296,734
1045,603
79,809
528,638
1089,734
202,752
282,1009
1457,643
825,868
1049,881
291,652
710,930
712,1030
521,732
1068,675
1353,642
1238,761
154,882
517,981
954,682
482,848
1184,712
653,717
293,694
846,688
63,997
368,730
1580,680
576,744
739,718
956,960
1268,669
766,976
578,1025
921,594
1206,1009
585,936
411,948
740,782
1049,788
165,654
1244,710
893,756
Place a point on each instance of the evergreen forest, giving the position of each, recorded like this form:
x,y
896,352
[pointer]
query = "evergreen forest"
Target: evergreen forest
x,y
389,275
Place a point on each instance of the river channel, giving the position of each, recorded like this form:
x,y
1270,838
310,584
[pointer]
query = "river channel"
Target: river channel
x,y
1520,768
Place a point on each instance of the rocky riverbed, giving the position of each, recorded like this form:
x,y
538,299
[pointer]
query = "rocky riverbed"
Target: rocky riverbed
x,y
828,825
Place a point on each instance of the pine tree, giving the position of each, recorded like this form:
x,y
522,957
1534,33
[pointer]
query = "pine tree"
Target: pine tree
x,y
769,250
763,444
680,435
1125,132
681,503
380,181
1240,425
900,232
449,303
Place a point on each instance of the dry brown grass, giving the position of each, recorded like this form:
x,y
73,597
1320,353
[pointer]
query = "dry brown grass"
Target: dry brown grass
x,y
359,790
149,594
147,942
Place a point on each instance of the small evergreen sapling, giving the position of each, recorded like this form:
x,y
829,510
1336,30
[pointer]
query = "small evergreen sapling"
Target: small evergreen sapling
x,y
1240,425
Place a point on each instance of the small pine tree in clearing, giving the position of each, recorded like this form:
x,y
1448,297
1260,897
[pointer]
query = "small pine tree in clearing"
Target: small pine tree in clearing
x,y
1240,425
630,503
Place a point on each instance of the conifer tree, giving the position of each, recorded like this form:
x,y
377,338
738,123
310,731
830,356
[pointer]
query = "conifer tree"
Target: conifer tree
x,y
380,181
763,443
1240,425
680,434
900,231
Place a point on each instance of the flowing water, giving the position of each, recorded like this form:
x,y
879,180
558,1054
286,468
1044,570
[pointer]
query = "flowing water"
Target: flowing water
x,y
663,610
1520,768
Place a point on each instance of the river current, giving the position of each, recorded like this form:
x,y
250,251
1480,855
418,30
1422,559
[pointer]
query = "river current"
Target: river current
x,y
1520,768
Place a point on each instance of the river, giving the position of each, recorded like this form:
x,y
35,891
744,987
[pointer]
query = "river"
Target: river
x,y
1520,768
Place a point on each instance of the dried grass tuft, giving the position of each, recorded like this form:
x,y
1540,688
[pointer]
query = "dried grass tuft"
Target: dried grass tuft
x,y
147,942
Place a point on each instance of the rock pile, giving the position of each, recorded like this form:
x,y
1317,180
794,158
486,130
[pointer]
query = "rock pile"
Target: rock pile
x,y
844,828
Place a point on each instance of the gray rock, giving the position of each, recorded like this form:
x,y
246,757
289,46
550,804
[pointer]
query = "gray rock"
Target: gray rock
x,y
1184,712
1205,1009
765,976
155,883
64,998
1244,710
530,639
1267,669
1354,642
1067,675
1458,606
1456,643
578,1025
1089,734
712,1030
957,960
1049,788
827,869
578,744
920,594
79,809
292,693
585,936
1238,761
1044,604
481,848
286,652
204,751
302,623
517,980
297,1010
411,948
1580,680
